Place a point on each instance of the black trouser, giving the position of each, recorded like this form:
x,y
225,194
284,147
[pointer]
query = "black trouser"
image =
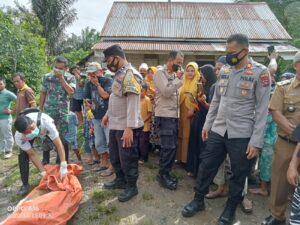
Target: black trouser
x,y
23,159
124,160
48,145
144,145
212,157
168,142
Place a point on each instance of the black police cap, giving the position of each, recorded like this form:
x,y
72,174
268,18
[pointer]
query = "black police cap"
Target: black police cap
x,y
114,50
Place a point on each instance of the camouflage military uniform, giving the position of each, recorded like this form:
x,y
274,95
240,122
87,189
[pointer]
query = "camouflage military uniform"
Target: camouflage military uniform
x,y
57,100
56,105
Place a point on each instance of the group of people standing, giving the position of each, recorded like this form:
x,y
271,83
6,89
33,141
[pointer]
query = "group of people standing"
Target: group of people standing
x,y
202,118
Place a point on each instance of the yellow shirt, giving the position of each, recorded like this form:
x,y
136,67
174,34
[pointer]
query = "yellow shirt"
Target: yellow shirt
x,y
146,107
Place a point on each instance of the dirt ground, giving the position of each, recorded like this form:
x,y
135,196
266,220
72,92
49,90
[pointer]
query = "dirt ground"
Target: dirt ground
x,y
152,206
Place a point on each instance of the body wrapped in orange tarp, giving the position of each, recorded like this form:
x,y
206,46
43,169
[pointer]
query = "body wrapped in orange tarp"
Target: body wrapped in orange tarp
x,y
52,202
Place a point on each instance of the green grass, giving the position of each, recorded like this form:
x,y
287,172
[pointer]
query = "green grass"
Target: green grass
x,y
147,196
106,209
151,165
102,195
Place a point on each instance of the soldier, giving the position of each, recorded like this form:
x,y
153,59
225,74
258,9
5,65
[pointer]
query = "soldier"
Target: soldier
x,y
25,99
125,122
285,109
167,82
57,86
236,121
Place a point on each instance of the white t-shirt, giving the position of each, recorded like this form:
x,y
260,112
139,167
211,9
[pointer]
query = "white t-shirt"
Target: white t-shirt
x,y
47,127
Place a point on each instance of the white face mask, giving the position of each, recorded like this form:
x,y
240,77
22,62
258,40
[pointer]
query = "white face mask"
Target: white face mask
x,y
35,133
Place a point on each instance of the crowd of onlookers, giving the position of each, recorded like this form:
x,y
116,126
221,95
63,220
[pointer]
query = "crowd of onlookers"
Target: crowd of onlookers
x,y
77,99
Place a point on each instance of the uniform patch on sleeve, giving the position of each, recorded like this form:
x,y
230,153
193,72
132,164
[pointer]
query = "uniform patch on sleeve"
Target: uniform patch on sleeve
x,y
265,79
130,84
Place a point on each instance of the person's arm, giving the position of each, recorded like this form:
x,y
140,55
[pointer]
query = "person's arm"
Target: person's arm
x,y
43,93
30,98
292,173
162,85
262,94
149,111
42,100
213,110
69,88
60,149
276,108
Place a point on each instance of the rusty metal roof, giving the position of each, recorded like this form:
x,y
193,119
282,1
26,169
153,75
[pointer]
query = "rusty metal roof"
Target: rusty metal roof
x,y
191,20
156,47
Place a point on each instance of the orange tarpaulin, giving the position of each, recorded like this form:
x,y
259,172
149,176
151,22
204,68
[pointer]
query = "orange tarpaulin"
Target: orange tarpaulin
x,y
52,202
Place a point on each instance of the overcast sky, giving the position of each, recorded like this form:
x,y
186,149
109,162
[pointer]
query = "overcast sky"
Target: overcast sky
x,y
91,13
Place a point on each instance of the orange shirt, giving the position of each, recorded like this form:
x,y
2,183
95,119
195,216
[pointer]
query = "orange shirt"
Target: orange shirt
x,y
146,107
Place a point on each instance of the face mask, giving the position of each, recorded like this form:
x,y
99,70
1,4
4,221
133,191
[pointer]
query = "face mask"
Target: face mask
x,y
232,59
175,67
60,71
33,134
112,67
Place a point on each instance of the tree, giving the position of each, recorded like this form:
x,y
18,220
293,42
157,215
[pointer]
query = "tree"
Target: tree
x,y
85,41
55,16
20,49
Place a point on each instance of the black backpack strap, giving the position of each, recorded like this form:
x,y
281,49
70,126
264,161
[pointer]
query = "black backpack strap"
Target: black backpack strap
x,y
39,116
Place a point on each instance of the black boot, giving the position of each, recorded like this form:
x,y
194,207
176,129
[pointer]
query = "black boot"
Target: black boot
x,y
270,220
24,190
172,178
165,181
128,193
196,205
228,215
118,183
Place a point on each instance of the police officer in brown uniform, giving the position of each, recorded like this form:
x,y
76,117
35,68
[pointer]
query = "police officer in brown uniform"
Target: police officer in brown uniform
x,y
285,109
124,121
234,125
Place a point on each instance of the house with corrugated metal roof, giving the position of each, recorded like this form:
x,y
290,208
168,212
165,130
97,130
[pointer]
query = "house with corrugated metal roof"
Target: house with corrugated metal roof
x,y
147,31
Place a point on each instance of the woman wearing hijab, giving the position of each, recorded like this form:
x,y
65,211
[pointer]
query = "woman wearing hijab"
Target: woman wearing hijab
x,y
195,141
188,105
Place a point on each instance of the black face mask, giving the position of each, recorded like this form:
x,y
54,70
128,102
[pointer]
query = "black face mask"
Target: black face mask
x,y
175,67
232,59
112,66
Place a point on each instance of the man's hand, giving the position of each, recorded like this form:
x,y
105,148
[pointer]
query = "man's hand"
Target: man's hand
x,y
127,138
251,152
104,122
291,128
63,169
190,113
94,80
7,111
59,75
204,134
292,174
179,73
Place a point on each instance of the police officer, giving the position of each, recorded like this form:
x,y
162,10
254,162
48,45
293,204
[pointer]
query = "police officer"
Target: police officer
x,y
285,109
236,120
125,123
167,82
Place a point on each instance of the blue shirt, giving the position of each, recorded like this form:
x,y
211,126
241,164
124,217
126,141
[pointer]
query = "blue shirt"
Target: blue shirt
x,y
99,105
6,97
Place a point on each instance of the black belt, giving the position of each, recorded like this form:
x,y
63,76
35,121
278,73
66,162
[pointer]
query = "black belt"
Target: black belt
x,y
288,140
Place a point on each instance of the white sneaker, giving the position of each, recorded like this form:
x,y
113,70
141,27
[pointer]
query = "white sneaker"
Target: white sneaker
x,y
7,155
